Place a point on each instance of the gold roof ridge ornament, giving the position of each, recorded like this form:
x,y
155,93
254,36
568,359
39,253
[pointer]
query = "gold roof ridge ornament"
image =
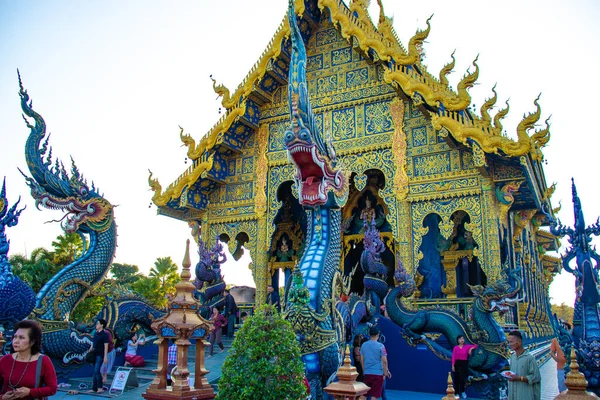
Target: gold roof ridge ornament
x,y
181,324
447,69
223,92
490,139
487,105
175,189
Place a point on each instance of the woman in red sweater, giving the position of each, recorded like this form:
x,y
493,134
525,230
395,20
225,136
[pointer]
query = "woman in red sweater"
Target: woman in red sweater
x,y
218,321
18,370
460,365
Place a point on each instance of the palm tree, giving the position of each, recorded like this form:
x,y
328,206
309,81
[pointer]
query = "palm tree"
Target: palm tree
x,y
67,248
165,270
151,290
36,270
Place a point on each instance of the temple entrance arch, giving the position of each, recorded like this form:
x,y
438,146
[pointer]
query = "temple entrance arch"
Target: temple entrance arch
x,y
461,265
430,277
365,206
287,242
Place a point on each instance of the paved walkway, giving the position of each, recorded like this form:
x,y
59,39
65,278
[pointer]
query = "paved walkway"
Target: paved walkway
x,y
213,364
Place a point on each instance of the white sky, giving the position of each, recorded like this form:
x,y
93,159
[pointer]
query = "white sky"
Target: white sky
x,y
114,79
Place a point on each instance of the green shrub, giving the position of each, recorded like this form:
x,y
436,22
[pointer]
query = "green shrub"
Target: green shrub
x,y
264,361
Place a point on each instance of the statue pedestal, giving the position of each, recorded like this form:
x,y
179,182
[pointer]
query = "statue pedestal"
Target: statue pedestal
x,y
159,394
449,260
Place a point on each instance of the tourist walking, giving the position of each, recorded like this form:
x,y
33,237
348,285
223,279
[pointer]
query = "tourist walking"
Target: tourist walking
x,y
524,380
558,355
357,342
131,356
219,322
27,373
99,348
231,310
375,365
460,365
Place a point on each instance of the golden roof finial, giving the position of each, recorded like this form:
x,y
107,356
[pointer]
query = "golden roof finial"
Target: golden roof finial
x,y
499,117
447,69
487,105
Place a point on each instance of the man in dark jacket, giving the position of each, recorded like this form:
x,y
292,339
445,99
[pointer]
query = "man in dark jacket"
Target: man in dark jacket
x,y
273,297
231,310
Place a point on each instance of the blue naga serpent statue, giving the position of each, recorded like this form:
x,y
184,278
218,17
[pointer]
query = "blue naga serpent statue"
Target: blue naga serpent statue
x,y
87,213
322,190
128,312
16,297
586,318
209,281
490,356
375,284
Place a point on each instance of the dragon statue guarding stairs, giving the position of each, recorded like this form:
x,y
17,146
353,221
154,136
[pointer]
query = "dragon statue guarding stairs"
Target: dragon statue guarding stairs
x,y
322,190
91,216
490,357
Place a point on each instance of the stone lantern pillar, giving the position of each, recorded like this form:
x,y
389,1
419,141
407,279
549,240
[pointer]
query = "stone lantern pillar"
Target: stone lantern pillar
x,y
347,388
181,324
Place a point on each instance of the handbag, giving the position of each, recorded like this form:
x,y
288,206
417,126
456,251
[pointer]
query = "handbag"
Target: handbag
x,y
38,374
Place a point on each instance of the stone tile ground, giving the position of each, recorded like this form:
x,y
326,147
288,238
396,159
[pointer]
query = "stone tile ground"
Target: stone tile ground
x,y
213,364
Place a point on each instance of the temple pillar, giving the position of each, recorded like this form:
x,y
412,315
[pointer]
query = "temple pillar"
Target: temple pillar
x,y
261,268
449,260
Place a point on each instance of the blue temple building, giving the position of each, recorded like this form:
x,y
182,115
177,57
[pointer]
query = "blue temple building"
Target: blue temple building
x,y
458,203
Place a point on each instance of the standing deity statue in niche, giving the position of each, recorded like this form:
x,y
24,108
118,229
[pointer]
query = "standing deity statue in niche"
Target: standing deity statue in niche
x,y
284,251
366,210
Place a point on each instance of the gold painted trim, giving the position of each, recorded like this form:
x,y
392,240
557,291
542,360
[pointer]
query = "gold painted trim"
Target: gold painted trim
x,y
175,189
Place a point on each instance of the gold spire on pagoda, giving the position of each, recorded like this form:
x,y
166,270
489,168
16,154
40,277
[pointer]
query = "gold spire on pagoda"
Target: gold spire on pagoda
x,y
576,382
181,324
347,387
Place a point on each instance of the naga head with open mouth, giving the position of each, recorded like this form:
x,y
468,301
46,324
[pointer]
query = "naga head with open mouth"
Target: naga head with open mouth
x,y
499,296
314,158
52,187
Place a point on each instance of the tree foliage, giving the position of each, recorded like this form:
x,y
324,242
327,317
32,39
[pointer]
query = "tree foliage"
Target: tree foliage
x,y
150,288
88,309
67,248
125,274
35,270
264,361
563,312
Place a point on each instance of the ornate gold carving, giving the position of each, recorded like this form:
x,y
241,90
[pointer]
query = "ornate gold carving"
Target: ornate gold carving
x,y
469,204
449,260
214,136
432,92
222,91
521,220
399,149
174,190
262,167
447,69
490,139
506,199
